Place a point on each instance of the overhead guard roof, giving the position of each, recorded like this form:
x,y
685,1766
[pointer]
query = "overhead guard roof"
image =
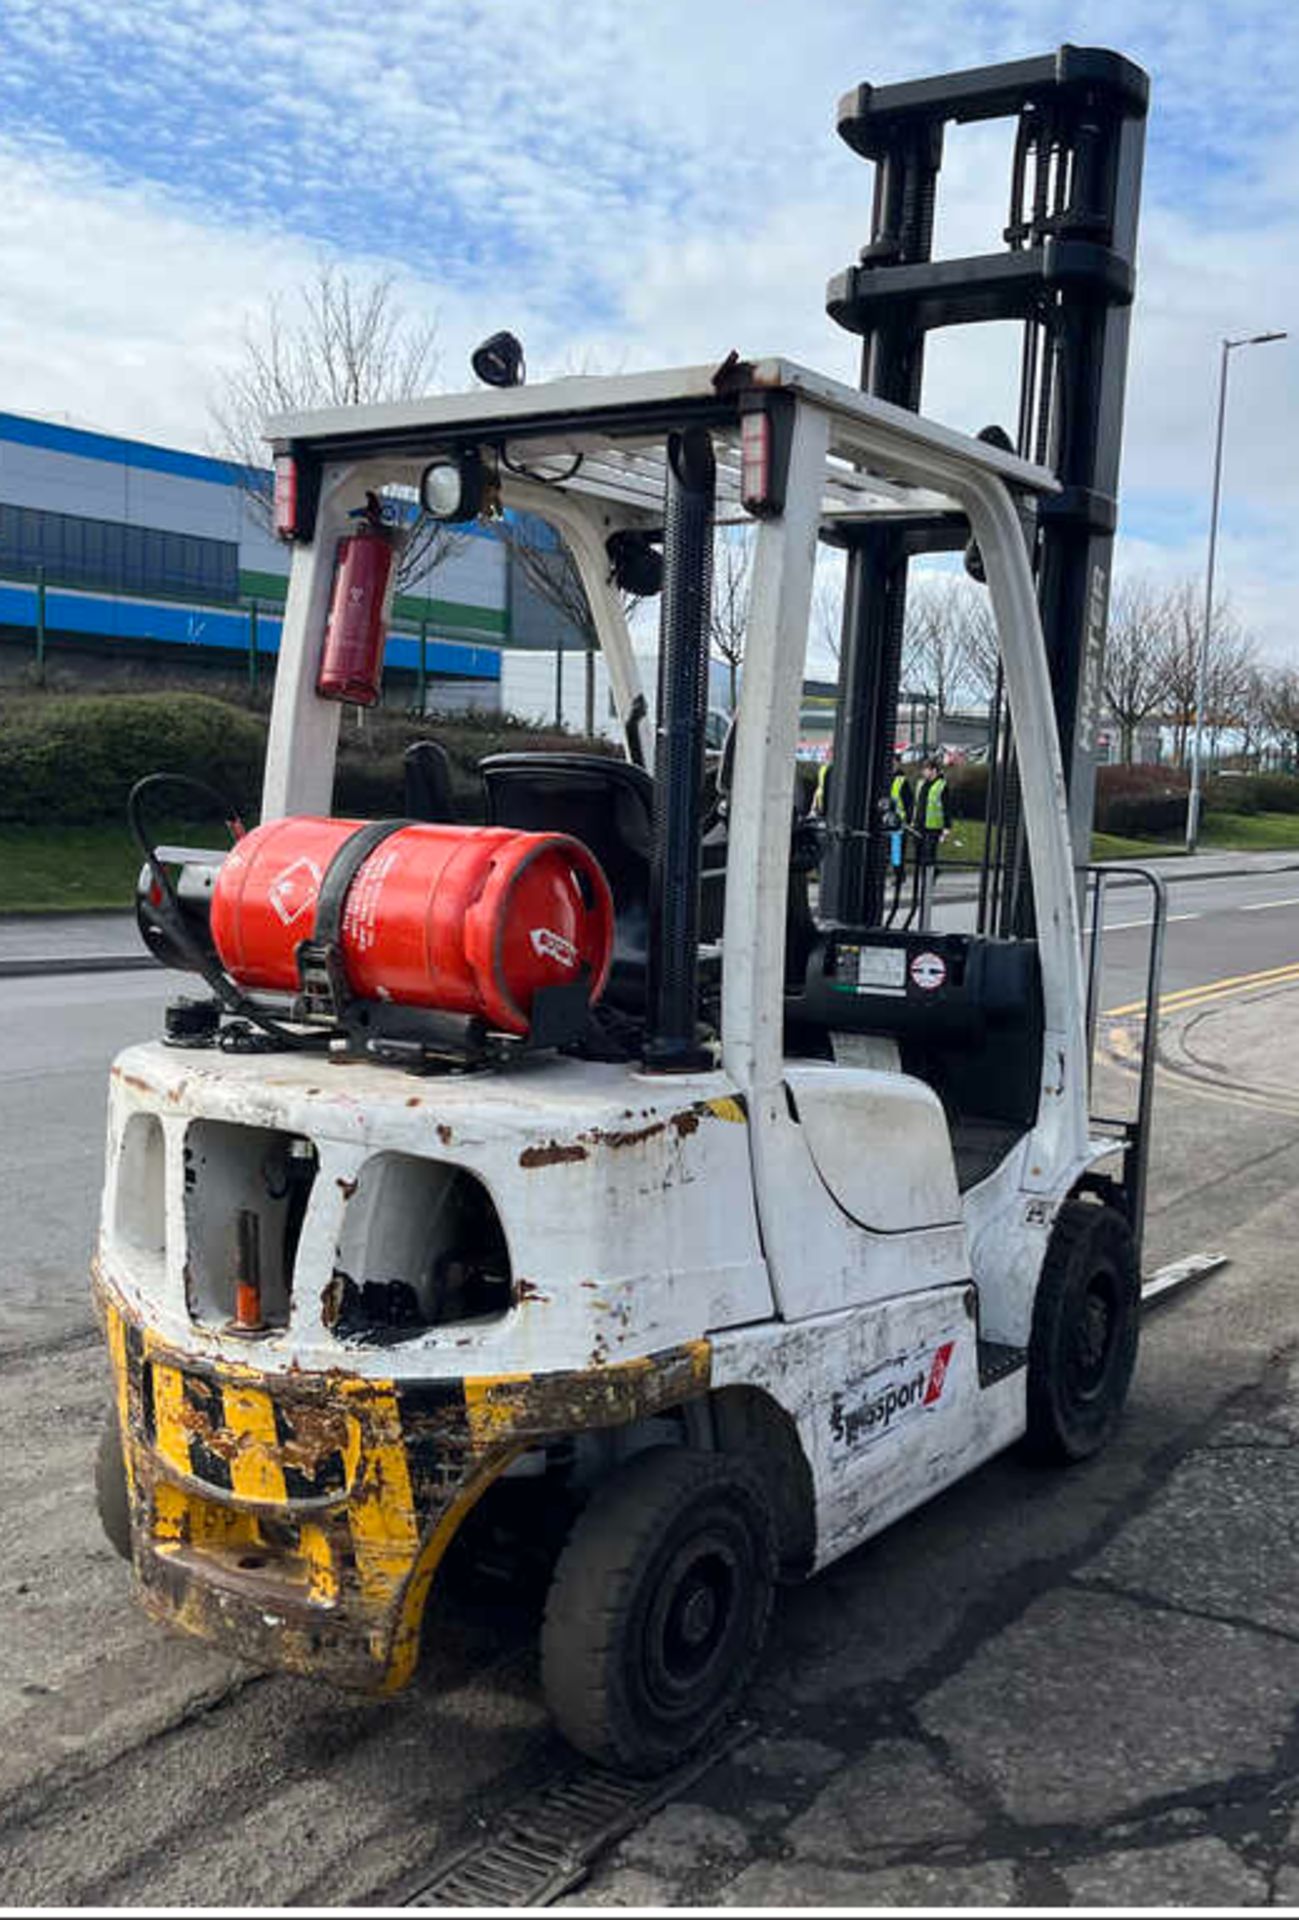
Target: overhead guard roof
x,y
618,425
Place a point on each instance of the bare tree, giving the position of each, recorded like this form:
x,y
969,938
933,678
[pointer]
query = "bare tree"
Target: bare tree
x,y
544,561
729,614
1232,661
1179,665
343,341
1253,715
830,582
976,653
935,647
1281,706
1227,665
1136,648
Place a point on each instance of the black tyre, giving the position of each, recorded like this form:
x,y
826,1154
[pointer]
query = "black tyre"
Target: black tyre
x,y
1083,1346
659,1608
111,1495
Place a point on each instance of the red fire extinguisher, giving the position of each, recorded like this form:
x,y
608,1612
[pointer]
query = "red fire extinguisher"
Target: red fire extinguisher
x,y
351,658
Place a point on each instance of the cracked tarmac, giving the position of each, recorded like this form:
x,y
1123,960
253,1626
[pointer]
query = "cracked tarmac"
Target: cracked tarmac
x,y
1126,1736
1040,1689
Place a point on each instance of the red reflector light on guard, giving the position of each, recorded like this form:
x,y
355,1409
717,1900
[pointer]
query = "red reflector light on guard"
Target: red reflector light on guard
x,y
755,462
286,496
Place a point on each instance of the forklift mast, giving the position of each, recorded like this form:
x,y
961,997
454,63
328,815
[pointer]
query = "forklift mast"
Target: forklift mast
x,y
1066,271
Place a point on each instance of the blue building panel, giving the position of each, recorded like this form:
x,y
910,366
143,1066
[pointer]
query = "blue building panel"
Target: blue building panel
x,y
108,619
83,444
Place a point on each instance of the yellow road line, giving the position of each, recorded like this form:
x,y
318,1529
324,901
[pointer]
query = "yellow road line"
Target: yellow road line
x,y
1211,990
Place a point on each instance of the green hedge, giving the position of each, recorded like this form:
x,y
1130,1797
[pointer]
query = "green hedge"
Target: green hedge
x,y
1252,793
74,758
71,760
967,790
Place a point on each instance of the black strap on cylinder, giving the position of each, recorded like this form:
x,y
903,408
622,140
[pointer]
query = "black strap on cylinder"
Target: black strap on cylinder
x,y
321,975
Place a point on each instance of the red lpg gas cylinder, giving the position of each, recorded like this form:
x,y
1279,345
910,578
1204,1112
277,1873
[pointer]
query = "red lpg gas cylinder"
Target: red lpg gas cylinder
x,y
351,658
468,920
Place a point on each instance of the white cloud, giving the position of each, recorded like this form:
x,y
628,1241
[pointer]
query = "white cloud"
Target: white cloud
x,y
627,187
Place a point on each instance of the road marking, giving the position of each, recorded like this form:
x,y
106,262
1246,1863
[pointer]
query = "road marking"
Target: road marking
x,y
1264,906
1183,916
1210,990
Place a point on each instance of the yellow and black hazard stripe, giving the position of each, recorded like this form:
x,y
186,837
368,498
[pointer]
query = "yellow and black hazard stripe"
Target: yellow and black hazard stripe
x,y
373,1478
236,1438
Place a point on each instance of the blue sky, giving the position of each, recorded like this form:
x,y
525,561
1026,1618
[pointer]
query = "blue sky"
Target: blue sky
x,y
627,187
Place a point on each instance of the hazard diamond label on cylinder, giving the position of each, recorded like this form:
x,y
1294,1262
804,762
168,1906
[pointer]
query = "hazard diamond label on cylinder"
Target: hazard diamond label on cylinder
x,y
295,891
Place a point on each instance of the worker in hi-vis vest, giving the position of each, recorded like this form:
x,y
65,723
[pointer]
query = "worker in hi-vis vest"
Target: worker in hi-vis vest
x,y
822,793
898,814
931,817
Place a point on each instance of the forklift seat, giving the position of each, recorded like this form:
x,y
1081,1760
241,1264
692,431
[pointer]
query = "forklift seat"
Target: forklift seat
x,y
608,805
426,770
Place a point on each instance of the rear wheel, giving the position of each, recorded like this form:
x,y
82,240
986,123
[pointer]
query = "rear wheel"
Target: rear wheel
x,y
659,1608
111,1495
1084,1342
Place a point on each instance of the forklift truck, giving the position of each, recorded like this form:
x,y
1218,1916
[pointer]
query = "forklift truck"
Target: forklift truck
x,y
733,1249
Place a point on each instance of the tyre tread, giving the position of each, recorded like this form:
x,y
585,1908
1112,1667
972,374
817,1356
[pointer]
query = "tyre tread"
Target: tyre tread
x,y
1077,1225
595,1584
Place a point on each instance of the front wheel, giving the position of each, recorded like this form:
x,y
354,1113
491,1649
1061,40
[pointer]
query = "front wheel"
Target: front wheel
x,y
659,1608
1083,1345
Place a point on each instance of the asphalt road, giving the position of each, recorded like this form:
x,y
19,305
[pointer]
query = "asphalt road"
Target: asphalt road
x,y
58,1035
57,1038
140,1769
1215,928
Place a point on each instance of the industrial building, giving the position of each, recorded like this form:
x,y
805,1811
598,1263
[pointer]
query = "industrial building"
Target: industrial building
x,y
121,558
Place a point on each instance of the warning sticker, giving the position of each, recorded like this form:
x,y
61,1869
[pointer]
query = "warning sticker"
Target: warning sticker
x,y
882,968
293,892
360,916
929,971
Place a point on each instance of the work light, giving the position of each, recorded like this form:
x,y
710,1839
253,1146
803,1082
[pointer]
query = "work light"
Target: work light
x,y
499,361
452,488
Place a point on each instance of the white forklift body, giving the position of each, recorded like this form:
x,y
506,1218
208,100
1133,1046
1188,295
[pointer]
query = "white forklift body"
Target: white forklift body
x,y
771,1258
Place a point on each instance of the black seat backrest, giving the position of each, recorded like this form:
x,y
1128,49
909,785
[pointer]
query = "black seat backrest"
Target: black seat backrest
x,y
606,804
426,767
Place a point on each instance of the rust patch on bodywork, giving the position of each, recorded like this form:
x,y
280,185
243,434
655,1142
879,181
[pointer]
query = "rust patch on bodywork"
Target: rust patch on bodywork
x,y
630,1137
528,1290
331,1300
552,1155
346,1187
682,1125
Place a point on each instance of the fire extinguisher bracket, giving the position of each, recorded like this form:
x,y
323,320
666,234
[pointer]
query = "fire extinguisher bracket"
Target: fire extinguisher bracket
x,y
323,996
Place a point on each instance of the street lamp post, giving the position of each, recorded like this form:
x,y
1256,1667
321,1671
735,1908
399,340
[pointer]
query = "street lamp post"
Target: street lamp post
x,y
1202,669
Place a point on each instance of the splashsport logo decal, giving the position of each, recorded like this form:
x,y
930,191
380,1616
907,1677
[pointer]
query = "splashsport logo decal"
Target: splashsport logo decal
x,y
909,1389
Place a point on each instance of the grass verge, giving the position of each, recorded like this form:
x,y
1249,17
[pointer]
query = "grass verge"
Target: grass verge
x,y
1250,832
53,869
64,869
